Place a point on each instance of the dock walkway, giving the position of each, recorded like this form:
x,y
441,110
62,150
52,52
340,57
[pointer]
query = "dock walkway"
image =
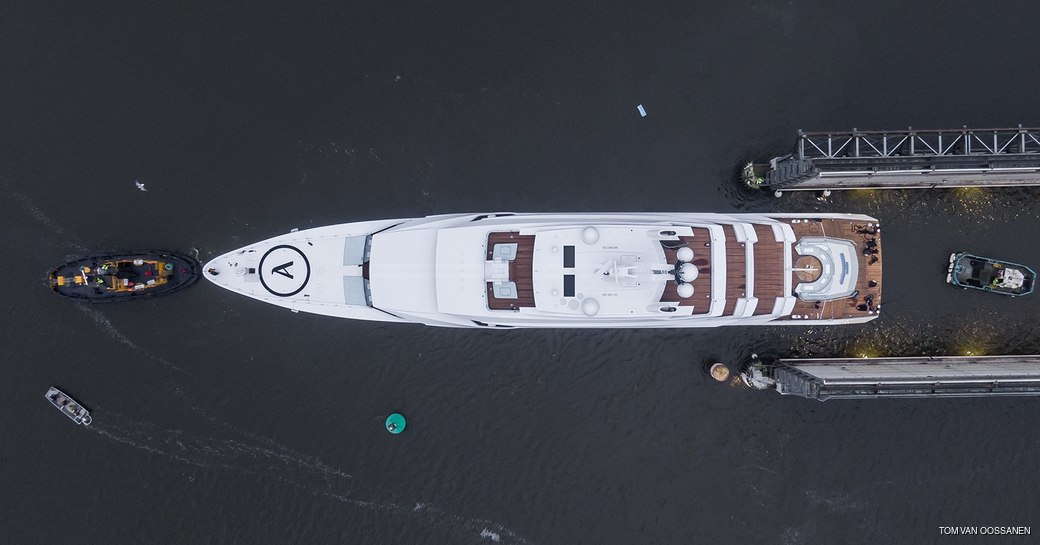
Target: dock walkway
x,y
923,376
904,160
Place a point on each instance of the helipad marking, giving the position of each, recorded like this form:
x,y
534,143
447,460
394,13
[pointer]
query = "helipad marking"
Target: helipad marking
x,y
290,274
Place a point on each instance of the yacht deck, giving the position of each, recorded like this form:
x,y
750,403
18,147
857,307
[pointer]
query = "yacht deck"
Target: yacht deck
x,y
521,271
700,242
768,263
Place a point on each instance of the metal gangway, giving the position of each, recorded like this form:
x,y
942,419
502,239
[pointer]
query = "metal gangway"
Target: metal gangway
x,y
918,376
825,161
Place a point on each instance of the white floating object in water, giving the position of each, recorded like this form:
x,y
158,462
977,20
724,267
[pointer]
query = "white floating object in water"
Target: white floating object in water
x,y
140,185
642,112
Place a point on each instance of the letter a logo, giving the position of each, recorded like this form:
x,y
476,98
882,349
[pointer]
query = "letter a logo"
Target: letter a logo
x,y
282,269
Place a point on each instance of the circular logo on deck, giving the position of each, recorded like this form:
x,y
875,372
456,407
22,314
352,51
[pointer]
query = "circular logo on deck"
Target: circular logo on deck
x,y
284,270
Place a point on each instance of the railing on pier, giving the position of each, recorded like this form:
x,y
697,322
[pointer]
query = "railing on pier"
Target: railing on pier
x,y
916,143
904,159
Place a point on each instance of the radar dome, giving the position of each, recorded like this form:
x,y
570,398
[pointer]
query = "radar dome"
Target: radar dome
x,y
590,306
688,272
589,235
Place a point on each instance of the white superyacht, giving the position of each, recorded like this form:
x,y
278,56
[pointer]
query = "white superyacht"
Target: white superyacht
x,y
602,270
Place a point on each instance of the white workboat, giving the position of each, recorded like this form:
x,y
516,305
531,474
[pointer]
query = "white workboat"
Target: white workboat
x,y
572,270
68,406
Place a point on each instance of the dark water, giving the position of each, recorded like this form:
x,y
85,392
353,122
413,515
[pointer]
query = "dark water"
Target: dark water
x,y
219,419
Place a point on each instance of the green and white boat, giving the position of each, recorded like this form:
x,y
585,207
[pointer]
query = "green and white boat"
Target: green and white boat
x,y
992,275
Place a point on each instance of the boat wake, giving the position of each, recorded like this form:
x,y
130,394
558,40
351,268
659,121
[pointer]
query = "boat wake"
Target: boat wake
x,y
41,217
254,454
251,453
273,449
207,452
106,326
284,465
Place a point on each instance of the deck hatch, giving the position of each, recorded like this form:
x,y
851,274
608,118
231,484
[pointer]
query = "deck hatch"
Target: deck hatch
x,y
568,285
355,250
356,291
568,257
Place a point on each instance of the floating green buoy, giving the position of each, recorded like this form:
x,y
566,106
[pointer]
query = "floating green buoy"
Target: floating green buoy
x,y
395,423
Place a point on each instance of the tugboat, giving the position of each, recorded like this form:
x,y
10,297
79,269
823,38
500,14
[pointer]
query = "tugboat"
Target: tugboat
x,y
122,277
987,274
68,406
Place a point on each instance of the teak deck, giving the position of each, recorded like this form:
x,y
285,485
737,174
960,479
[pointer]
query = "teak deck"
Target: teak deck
x,y
769,269
521,271
700,243
736,270
842,308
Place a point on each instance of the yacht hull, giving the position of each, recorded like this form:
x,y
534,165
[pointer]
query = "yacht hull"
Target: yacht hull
x,y
610,270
